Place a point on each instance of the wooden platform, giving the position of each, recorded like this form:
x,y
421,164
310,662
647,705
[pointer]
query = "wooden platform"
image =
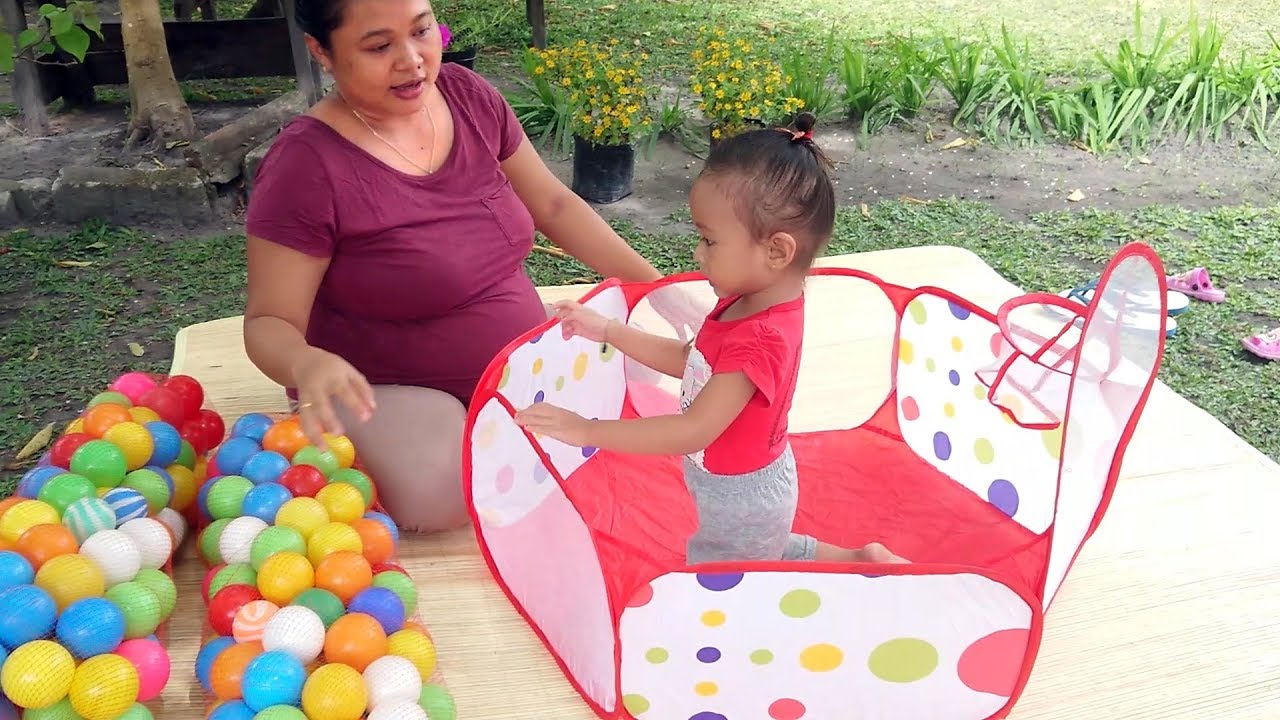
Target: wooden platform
x,y
1172,611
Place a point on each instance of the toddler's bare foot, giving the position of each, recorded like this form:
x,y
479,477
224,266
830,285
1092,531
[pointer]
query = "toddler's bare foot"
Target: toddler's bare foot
x,y
872,552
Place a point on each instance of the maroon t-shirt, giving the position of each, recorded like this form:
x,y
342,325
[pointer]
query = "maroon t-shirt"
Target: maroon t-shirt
x,y
426,282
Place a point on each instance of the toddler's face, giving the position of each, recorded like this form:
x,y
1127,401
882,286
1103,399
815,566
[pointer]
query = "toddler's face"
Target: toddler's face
x,y
735,262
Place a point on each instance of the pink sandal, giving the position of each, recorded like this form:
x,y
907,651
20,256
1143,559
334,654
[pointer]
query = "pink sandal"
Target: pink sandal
x,y
1265,345
1196,283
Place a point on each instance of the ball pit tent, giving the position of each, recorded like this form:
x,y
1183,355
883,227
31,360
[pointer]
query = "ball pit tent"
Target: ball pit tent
x,y
989,463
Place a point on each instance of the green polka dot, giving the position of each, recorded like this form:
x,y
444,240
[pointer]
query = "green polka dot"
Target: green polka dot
x,y
657,655
761,657
635,704
930,365
916,308
607,352
799,603
903,660
559,383
1052,440
983,451
506,375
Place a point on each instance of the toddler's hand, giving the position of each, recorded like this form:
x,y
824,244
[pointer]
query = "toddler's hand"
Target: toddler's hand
x,y
564,425
577,319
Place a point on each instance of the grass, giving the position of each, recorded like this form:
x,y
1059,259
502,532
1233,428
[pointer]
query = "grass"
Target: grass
x,y
72,326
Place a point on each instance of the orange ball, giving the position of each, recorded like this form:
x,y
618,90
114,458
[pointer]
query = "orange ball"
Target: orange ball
x,y
227,670
355,639
42,543
101,418
376,540
285,437
344,573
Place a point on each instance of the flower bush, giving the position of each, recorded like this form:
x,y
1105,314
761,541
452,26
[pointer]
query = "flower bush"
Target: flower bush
x,y
606,88
738,84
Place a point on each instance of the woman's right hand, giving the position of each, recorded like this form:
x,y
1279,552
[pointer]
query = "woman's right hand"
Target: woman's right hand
x,y
321,377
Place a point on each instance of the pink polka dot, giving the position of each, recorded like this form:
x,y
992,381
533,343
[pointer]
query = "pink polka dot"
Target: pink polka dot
x,y
993,663
997,342
910,410
641,596
505,480
786,709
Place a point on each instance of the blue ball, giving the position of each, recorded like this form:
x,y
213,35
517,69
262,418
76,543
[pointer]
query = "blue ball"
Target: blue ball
x,y
265,466
204,659
15,570
233,710
233,454
273,678
127,503
35,478
91,626
27,613
167,441
385,520
382,605
252,426
264,501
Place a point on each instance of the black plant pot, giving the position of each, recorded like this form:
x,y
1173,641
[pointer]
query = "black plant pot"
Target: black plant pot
x,y
465,57
602,173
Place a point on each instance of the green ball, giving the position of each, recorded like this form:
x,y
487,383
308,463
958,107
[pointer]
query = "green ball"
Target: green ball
x,y
322,460
352,476
151,486
233,574
113,397
437,702
277,538
280,712
402,586
64,489
209,541
226,497
140,607
60,710
137,712
100,461
162,585
321,602
186,455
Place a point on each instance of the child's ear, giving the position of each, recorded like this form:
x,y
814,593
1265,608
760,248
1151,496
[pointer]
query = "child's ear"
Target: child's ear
x,y
781,249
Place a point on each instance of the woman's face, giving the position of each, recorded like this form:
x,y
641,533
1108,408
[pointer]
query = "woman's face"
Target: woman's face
x,y
385,55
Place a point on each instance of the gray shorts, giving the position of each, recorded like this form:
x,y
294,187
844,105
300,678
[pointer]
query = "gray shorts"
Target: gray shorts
x,y
747,517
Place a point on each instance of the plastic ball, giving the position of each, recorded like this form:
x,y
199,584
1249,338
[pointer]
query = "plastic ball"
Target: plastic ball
x,y
285,437
62,449
284,576
127,504
376,543
103,687
361,482
252,426
37,674
344,573
398,711
187,455
382,605
273,678
151,661
227,672
205,657
275,539
231,574
330,538
152,485
226,496
344,502
110,396
415,647
87,516
355,639
162,586
387,521
100,461
90,626
402,585
153,540
166,403
143,416
392,679
115,553
166,443
226,602
62,490
438,702
251,619
335,691
27,613
189,389
34,479
60,710
133,440
322,460
210,539
104,416
264,466
323,603
137,711
265,500
15,569
24,515
231,710
133,385
213,428
281,712
175,523
71,577
164,475
303,480
342,449
237,539
140,607
44,542
232,455
295,630
303,514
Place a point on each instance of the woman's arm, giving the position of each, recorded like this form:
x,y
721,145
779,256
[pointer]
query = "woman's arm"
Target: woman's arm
x,y
282,286
569,222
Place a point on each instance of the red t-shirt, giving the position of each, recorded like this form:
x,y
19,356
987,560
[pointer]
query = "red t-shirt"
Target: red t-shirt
x,y
426,282
766,347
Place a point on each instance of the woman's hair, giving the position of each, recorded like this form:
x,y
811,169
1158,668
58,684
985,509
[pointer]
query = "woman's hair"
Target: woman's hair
x,y
779,184
318,18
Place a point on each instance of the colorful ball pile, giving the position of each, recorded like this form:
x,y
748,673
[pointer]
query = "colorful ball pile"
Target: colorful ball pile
x,y
85,550
309,616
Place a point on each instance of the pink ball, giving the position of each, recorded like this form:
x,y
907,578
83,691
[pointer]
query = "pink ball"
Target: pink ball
x,y
152,663
133,385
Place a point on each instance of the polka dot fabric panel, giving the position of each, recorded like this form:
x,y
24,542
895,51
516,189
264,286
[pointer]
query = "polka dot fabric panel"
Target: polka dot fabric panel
x,y
947,420
816,646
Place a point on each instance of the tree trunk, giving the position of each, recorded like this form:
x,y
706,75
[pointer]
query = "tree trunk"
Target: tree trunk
x,y
158,112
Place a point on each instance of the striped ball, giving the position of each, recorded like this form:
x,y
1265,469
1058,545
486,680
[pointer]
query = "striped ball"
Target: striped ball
x,y
87,516
127,504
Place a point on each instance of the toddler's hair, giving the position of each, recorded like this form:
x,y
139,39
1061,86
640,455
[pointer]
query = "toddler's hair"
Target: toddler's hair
x,y
780,184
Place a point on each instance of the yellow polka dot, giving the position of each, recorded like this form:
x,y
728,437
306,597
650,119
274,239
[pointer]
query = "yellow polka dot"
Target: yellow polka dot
x,y
916,308
506,375
949,410
1053,442
657,655
930,365
706,689
537,366
980,392
983,451
484,435
580,366
957,344
822,657
635,704
713,618
906,352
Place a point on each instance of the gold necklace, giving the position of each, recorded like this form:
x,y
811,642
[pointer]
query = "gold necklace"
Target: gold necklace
x,y
430,120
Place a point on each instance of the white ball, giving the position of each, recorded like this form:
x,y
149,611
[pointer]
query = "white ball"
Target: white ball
x,y
399,711
391,680
174,520
153,540
237,538
115,553
296,630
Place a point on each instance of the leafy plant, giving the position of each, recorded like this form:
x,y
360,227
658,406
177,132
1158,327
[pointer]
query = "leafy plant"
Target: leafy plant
x,y
66,28
543,108
807,76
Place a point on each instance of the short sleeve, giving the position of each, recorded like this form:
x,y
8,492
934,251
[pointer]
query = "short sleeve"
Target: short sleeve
x,y
762,354
506,127
292,199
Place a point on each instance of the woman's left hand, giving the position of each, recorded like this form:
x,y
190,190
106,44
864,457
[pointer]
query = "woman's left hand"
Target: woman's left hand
x,y
555,422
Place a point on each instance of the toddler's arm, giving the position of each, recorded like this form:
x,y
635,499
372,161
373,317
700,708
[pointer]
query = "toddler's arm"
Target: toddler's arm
x,y
666,355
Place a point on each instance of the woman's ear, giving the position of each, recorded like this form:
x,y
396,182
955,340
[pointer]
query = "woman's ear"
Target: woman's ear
x,y
781,249
319,53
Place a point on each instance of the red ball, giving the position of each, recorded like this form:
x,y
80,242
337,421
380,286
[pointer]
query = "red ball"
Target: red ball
x,y
208,580
226,603
193,431
166,403
64,447
189,389
303,480
384,567
215,429
211,469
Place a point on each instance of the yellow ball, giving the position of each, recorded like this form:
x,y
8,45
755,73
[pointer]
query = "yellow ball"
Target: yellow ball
x,y
416,648
284,576
334,692
71,577
185,487
343,501
303,514
38,674
22,516
201,470
342,448
103,687
133,440
330,538
75,426
143,415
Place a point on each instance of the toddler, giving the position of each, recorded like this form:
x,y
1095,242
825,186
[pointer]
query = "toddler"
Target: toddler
x,y
764,208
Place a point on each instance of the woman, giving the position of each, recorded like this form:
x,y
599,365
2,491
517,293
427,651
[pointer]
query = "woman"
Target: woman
x,y
387,232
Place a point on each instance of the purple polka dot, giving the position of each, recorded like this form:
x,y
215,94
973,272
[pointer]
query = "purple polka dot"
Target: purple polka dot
x,y
588,451
870,576
954,377
959,311
941,445
708,715
708,655
1004,496
539,396
536,338
719,582
540,473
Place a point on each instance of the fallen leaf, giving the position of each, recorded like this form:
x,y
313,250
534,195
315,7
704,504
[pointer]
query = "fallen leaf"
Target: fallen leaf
x,y
608,8
175,144
958,142
1081,146
1075,196
928,134
35,351
866,211
555,252
909,199
73,263
672,42
36,443
1143,159
96,246
135,349
768,26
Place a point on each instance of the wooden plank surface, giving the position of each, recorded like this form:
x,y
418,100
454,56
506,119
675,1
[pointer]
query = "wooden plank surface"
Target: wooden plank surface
x,y
1172,611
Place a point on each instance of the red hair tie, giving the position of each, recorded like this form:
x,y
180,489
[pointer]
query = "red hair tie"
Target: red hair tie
x,y
797,135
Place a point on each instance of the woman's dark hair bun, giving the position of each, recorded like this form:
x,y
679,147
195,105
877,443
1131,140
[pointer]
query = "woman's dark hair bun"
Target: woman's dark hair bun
x,y
805,121
318,18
